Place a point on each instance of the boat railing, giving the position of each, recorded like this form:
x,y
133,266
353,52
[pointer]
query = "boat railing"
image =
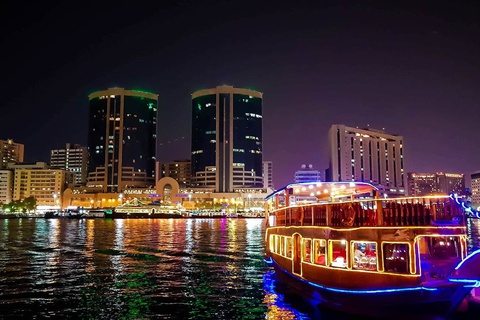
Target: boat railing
x,y
414,211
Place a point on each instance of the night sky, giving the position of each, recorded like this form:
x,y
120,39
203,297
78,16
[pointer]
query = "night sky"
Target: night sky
x,y
410,67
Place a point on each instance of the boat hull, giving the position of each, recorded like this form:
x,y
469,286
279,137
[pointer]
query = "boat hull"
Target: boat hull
x,y
394,303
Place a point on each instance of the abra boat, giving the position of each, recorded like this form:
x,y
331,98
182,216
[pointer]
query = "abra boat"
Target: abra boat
x,y
347,248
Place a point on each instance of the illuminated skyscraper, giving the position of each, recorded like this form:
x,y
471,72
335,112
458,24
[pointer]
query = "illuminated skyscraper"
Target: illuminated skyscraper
x,y
227,139
367,155
122,139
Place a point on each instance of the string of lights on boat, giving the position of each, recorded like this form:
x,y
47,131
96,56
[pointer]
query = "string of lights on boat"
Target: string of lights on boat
x,y
339,189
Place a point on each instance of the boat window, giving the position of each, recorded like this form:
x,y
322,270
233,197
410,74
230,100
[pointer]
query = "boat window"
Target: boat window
x,y
307,245
364,255
338,253
439,247
439,255
279,245
289,247
282,245
319,256
273,242
444,247
396,257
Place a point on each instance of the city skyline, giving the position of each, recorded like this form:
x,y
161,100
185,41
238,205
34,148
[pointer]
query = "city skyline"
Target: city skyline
x,y
410,69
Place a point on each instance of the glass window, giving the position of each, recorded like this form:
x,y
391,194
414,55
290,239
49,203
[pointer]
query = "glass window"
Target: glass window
x,y
396,257
338,251
444,247
319,252
364,255
289,247
307,254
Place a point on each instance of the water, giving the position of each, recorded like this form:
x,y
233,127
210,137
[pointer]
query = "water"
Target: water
x,y
141,269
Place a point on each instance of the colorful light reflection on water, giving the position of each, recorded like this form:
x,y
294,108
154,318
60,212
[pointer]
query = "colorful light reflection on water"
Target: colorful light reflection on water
x,y
136,269
141,269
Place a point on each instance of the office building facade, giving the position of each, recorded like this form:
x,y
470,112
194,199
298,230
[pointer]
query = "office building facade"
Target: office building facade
x,y
307,174
422,184
180,170
367,155
227,139
268,175
6,186
74,158
122,139
475,187
10,152
37,180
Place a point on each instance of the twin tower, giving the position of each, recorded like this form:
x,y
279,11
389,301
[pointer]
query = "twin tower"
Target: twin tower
x,y
226,145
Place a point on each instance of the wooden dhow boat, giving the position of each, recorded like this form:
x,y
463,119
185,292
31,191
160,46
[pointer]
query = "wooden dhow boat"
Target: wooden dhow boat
x,y
345,247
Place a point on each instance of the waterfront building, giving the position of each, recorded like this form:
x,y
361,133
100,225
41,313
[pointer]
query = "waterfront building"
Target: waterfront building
x,y
421,184
10,152
176,169
267,175
122,139
6,186
307,174
74,158
37,180
227,139
367,155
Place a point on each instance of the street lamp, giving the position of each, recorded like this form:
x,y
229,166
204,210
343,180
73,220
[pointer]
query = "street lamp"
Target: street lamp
x,y
249,199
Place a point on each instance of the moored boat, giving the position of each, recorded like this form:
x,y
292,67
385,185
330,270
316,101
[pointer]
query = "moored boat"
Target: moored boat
x,y
344,246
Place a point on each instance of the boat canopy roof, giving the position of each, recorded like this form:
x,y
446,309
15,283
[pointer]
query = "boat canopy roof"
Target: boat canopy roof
x,y
327,190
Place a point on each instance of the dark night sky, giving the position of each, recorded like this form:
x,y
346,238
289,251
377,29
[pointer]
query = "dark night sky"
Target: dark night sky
x,y
411,67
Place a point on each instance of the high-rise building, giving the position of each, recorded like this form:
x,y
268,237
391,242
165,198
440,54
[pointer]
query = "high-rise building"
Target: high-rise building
x,y
122,139
268,175
178,170
422,184
367,155
227,139
74,158
475,187
10,152
307,174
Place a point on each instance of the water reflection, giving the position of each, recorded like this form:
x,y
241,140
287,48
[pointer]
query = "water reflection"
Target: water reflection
x,y
141,269
132,269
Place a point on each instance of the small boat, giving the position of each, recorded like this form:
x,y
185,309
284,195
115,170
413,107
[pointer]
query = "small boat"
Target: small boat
x,y
97,213
345,247
143,212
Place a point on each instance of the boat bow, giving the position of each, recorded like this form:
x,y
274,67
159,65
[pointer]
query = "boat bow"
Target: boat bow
x,y
468,269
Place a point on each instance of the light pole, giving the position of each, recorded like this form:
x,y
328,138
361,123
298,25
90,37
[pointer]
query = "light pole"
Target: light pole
x,y
249,199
